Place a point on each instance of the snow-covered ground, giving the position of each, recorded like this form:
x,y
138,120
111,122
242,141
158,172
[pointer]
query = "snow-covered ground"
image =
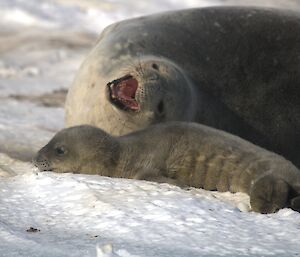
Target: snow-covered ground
x,y
42,44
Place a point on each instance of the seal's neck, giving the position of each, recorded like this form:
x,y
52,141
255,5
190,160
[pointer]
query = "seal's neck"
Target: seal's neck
x,y
104,160
125,165
111,160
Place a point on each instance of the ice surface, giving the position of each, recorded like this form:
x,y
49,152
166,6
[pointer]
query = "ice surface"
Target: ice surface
x,y
74,213
42,43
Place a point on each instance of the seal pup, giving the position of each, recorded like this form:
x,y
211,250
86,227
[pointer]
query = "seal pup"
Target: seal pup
x,y
180,153
241,66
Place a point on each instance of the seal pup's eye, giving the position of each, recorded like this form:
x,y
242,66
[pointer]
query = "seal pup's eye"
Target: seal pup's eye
x,y
60,150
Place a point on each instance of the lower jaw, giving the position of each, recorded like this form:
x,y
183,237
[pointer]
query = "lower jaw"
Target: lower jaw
x,y
125,108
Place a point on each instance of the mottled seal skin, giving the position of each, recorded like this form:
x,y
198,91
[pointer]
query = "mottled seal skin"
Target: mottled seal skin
x,y
233,68
181,153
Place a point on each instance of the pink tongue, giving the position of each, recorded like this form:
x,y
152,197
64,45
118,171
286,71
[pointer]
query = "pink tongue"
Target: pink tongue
x,y
126,92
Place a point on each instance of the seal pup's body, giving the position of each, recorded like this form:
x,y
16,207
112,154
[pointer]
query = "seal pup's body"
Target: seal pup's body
x,y
184,154
233,68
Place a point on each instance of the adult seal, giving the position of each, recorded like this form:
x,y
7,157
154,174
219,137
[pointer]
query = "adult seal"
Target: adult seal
x,y
233,68
184,154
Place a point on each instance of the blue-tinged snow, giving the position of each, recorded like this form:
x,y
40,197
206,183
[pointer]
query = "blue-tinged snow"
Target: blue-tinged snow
x,y
42,44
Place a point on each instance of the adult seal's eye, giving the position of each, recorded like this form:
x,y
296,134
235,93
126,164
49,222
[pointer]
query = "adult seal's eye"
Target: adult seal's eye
x,y
60,150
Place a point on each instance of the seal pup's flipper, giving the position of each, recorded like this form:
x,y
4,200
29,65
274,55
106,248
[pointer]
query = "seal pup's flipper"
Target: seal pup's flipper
x,y
295,203
269,194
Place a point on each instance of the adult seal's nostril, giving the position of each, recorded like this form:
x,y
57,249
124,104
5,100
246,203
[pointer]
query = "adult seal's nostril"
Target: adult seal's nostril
x,y
232,68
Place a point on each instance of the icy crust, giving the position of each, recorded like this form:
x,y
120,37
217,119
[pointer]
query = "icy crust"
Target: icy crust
x,y
74,213
25,127
10,167
43,67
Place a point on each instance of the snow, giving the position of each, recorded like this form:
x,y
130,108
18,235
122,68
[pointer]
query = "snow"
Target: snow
x,y
42,43
73,213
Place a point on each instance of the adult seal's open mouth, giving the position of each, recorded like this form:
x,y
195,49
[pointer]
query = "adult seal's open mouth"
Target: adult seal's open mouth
x,y
122,92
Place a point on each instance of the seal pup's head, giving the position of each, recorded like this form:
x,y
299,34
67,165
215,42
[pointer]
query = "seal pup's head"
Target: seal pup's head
x,y
84,148
150,90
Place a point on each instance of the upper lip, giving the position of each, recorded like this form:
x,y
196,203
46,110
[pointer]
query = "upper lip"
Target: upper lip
x,y
117,81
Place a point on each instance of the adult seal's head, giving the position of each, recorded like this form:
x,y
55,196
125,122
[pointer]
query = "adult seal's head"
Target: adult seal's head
x,y
138,92
77,149
153,87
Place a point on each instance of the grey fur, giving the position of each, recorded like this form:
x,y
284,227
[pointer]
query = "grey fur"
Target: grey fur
x,y
233,68
184,154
